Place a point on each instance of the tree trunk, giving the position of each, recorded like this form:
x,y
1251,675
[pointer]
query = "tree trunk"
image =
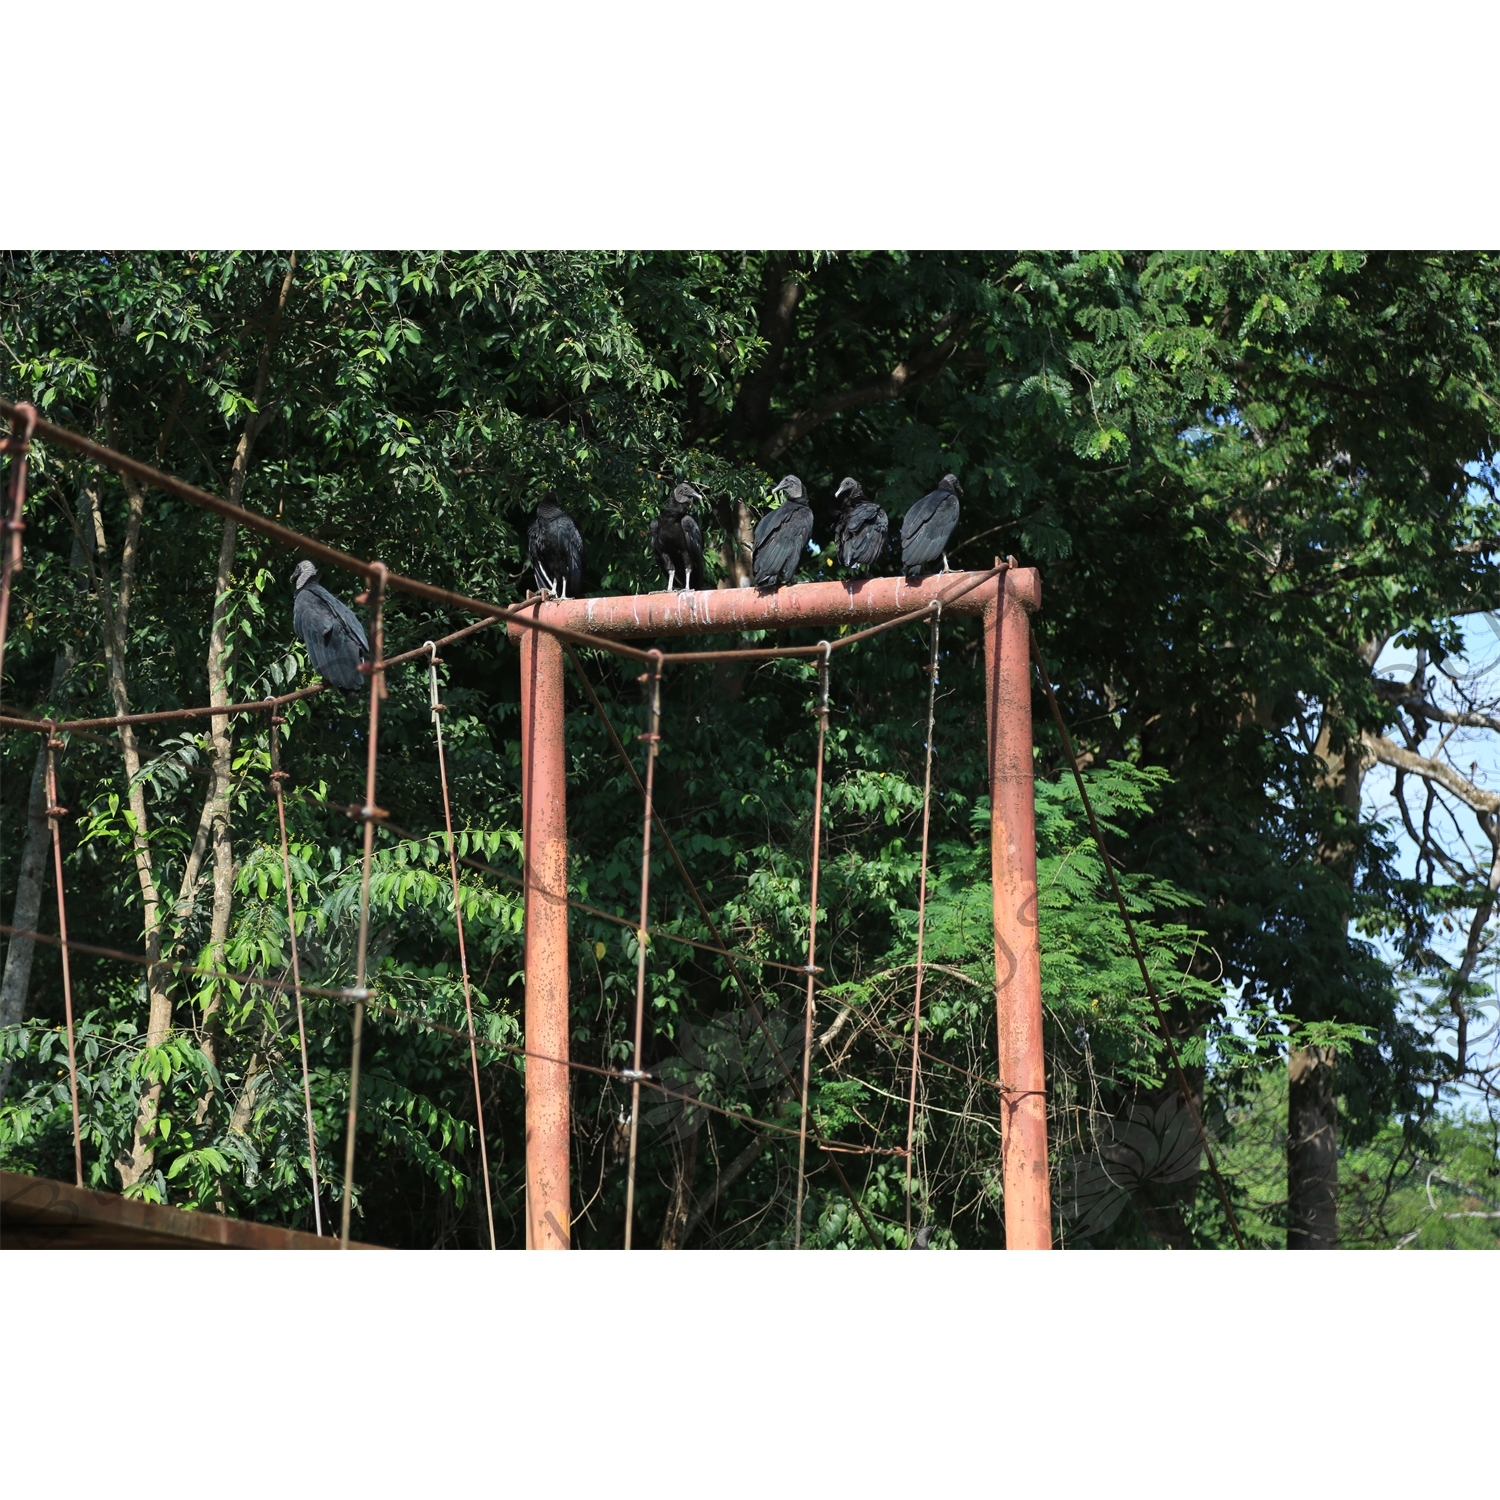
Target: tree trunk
x,y
138,1161
31,882
31,878
1312,1161
679,1206
243,1114
737,552
214,821
220,655
727,1178
216,808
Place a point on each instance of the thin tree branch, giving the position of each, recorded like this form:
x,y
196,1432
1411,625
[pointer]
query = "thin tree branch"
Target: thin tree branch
x,y
918,368
1390,754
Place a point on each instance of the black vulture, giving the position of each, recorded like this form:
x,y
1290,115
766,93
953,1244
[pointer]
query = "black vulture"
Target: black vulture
x,y
556,551
677,539
782,537
927,528
334,638
859,533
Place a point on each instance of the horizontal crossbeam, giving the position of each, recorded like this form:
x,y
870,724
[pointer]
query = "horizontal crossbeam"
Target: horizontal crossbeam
x,y
823,606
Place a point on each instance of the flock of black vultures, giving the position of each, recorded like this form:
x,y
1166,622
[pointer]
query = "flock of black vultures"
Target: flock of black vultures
x,y
336,641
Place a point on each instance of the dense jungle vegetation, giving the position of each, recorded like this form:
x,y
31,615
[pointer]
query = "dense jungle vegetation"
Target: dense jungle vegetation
x,y
1241,475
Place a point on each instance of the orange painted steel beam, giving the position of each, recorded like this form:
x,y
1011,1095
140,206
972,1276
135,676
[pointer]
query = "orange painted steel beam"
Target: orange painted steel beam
x,y
544,813
1004,603
857,602
1018,959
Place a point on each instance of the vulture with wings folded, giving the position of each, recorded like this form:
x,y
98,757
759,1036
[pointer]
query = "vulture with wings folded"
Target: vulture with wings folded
x,y
334,638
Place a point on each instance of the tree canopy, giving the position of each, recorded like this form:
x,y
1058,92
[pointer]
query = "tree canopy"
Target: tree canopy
x,y
1241,474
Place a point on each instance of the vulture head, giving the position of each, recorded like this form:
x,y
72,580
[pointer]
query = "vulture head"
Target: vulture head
x,y
304,575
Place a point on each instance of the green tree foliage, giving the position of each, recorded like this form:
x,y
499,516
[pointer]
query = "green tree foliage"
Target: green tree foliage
x,y
1436,1188
1237,472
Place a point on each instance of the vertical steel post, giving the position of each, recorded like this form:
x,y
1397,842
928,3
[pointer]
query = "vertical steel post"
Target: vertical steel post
x,y
544,816
1018,968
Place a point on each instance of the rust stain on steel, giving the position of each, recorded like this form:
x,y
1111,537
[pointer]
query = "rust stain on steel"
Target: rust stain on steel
x,y
718,611
37,1213
545,826
1018,971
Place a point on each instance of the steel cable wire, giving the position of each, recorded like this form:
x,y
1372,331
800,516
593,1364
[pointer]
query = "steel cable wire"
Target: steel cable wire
x,y
277,777
812,939
369,814
463,952
350,997
55,815
723,950
382,579
916,1011
259,705
652,737
168,484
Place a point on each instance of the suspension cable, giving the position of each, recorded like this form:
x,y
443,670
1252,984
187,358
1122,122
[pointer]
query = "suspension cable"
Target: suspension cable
x,y
375,596
55,815
352,997
438,710
277,777
1158,1007
812,937
144,473
652,737
876,1242
916,1011
381,580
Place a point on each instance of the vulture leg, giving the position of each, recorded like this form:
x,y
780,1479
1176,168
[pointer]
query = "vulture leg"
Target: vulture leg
x,y
945,562
671,578
687,581
548,587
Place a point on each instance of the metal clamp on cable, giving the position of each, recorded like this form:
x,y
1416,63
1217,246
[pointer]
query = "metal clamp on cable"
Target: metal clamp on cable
x,y
430,647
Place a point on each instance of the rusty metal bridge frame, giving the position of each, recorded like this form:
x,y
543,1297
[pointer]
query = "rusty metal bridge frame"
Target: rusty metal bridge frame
x,y
1004,598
